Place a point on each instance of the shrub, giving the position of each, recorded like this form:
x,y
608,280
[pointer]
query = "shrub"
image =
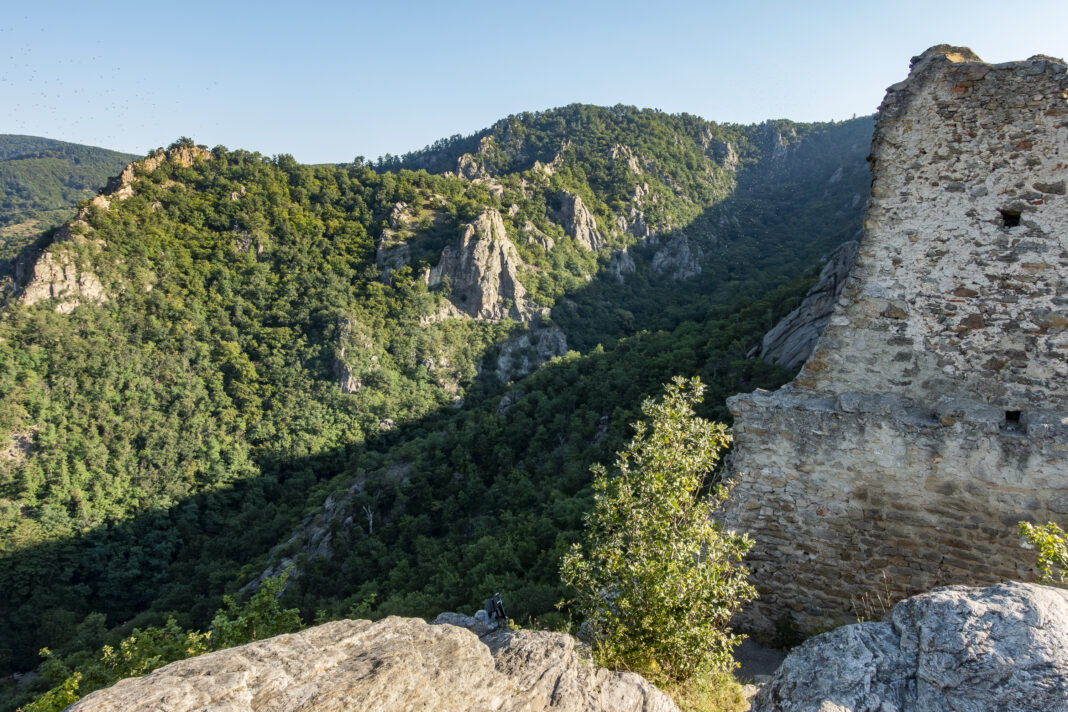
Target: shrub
x,y
1052,544
658,580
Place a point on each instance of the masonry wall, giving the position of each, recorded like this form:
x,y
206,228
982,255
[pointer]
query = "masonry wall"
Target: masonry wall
x,y
933,414
944,299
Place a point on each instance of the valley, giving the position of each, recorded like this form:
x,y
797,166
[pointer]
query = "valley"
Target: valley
x,y
389,378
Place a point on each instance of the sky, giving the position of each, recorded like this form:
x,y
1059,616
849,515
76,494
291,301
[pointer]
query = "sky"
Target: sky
x,y
329,81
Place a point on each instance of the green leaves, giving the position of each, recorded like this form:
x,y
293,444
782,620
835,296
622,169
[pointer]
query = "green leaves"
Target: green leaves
x,y
258,618
1052,544
150,648
657,579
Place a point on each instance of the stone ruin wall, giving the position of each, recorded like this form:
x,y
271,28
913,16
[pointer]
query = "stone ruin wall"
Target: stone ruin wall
x,y
933,414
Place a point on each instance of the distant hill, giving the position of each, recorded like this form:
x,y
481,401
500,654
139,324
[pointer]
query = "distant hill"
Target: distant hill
x,y
42,179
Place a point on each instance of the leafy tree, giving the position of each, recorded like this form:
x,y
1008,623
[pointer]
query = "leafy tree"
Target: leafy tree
x,y
658,580
1052,544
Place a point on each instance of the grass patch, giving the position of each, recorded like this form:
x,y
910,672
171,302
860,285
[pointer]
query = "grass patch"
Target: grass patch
x,y
708,692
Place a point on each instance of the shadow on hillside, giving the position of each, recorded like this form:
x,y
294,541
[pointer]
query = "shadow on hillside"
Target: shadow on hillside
x,y
445,509
484,497
784,216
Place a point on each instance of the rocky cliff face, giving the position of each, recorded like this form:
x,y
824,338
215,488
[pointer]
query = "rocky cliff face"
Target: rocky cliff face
x,y
483,272
791,341
678,258
522,355
393,664
56,276
933,413
579,222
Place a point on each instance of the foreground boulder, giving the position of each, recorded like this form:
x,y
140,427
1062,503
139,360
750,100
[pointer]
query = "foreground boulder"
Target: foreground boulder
x,y
956,649
393,664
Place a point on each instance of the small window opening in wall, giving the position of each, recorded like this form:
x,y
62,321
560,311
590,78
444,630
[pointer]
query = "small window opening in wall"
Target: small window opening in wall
x,y
1012,417
1010,218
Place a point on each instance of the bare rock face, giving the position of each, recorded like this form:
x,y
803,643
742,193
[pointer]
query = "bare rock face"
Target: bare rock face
x,y
522,355
121,186
621,264
579,222
537,237
791,341
677,259
393,664
483,272
55,276
954,649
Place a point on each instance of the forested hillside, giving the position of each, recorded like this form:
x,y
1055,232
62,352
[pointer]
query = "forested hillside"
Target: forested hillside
x,y
40,181
232,364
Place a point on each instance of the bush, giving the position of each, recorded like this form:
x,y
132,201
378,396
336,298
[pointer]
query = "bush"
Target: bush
x,y
1052,544
658,580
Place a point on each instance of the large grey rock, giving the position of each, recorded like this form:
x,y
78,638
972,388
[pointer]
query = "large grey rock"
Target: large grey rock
x,y
579,222
522,355
678,259
955,649
791,341
393,664
483,272
57,277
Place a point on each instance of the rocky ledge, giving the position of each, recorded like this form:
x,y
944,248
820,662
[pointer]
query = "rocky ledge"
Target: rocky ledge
x,y
457,663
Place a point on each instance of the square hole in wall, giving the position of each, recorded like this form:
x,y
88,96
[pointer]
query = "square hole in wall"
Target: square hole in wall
x,y
1012,417
1010,218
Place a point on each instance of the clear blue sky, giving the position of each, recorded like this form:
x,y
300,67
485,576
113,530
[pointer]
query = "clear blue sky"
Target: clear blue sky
x,y
327,81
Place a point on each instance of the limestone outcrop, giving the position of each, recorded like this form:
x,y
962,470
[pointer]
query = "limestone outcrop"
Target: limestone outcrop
x,y
791,341
121,186
933,414
522,355
579,222
56,276
621,264
955,649
483,272
392,664
678,258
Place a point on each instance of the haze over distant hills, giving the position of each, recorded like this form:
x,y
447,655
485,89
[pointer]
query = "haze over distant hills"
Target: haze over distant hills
x,y
393,377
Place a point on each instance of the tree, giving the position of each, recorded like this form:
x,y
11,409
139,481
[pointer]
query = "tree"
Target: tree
x,y
658,579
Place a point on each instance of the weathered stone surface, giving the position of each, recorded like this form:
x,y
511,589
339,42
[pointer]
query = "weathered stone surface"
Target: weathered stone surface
x,y
955,649
579,222
393,664
483,272
621,264
677,259
957,144
519,356
55,276
791,341
933,414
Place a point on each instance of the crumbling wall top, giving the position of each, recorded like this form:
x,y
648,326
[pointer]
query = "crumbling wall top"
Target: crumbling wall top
x,y
960,287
